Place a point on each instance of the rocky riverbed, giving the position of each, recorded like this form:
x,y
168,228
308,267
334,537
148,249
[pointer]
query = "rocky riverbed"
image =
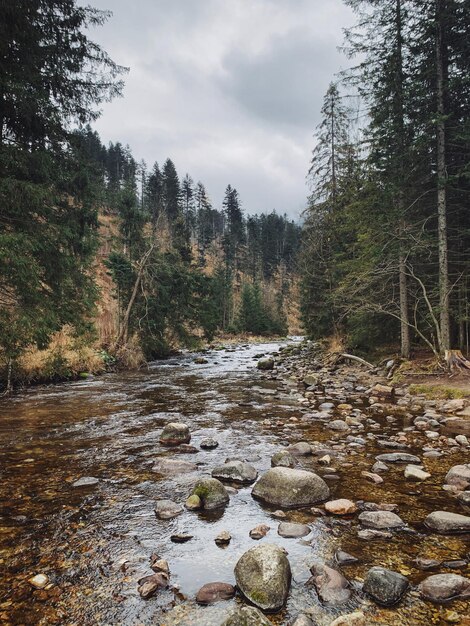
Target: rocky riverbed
x,y
209,491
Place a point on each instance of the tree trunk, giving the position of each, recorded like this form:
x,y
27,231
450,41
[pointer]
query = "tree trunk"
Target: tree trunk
x,y
404,310
441,182
123,334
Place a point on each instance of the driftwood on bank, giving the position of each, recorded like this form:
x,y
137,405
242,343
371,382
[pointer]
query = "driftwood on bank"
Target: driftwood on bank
x,y
352,357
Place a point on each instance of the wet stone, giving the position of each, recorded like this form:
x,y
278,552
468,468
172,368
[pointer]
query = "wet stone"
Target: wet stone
x,y
212,493
236,471
223,538
214,592
290,487
448,523
441,588
385,586
291,530
263,576
381,520
283,459
246,616
149,585
181,538
398,457
167,509
344,558
301,448
341,507
209,444
331,586
172,467
86,481
174,434
259,531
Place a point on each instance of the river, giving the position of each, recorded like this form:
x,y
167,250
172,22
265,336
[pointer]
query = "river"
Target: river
x,y
94,542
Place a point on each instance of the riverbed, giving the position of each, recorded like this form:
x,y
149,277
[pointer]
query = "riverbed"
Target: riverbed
x,y
94,542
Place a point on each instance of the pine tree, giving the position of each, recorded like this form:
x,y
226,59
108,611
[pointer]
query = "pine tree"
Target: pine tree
x,y
171,191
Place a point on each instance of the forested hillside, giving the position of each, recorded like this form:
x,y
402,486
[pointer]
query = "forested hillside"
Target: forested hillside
x,y
103,257
386,247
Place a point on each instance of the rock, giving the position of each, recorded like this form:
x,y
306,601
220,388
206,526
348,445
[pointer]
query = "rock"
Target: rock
x,y
414,472
171,467
236,471
341,507
209,444
375,478
223,538
212,493
384,586
444,587
193,503
246,616
86,481
149,585
311,380
331,586
462,440
200,360
260,531
464,498
379,467
424,564
325,460
369,534
291,530
302,448
383,392
214,592
458,474
185,448
339,425
263,576
448,523
167,509
175,433
282,459
398,457
287,487
181,538
381,520
344,558
351,619
39,581
302,620
265,364
159,565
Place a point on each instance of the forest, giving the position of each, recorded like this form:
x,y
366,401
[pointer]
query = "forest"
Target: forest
x,y
127,261
386,255
82,222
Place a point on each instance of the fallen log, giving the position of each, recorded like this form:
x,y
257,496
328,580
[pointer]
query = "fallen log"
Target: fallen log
x,y
352,357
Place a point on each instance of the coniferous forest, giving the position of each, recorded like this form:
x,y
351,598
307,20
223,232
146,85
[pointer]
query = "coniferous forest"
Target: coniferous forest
x,y
386,238
100,251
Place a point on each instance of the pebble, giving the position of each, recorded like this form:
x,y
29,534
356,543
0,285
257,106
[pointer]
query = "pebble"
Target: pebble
x,y
223,538
39,581
259,531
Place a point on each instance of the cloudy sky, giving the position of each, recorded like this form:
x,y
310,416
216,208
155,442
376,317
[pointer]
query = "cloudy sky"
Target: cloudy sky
x,y
229,89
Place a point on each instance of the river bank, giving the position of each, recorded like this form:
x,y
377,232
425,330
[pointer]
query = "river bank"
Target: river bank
x,y
85,470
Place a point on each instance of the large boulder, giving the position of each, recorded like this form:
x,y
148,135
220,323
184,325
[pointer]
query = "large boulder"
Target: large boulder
x,y
331,586
263,576
174,434
444,587
448,523
384,586
211,493
381,520
236,471
288,487
246,616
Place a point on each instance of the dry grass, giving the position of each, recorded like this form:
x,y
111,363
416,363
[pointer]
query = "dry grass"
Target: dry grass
x,y
437,392
66,357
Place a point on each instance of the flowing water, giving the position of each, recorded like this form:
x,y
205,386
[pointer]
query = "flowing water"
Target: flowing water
x,y
94,542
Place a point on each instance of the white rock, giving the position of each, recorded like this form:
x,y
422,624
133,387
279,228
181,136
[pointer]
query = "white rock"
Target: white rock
x,y
415,472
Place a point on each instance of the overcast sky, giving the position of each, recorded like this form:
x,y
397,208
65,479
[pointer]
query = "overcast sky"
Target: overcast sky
x,y
230,90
